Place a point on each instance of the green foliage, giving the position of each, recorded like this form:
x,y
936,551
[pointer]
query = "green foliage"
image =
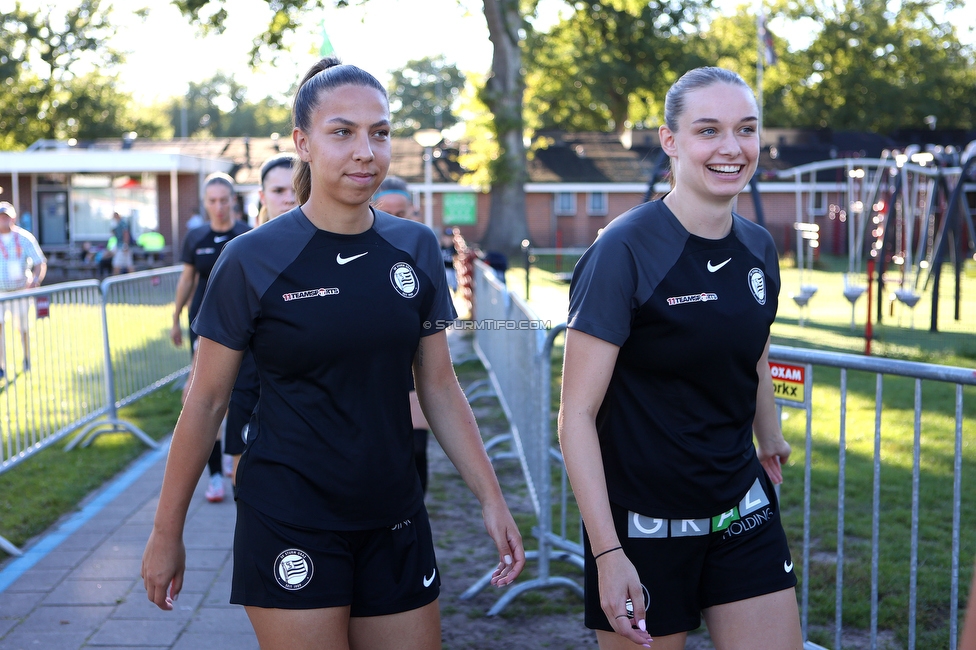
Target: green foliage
x,y
283,18
423,94
871,54
609,62
60,78
218,107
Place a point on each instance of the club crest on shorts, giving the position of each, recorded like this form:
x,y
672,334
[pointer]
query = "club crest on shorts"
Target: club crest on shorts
x,y
757,284
404,280
293,569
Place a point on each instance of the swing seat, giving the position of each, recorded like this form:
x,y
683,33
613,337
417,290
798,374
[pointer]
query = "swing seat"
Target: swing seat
x,y
853,292
801,299
908,297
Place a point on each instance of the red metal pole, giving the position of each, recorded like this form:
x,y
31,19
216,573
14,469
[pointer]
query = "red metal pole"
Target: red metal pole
x,y
867,326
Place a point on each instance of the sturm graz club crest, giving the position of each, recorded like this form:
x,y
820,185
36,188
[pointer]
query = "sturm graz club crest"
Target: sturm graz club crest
x,y
293,569
757,284
404,280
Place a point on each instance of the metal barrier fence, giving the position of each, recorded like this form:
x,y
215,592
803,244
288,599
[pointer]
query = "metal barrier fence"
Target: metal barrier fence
x,y
75,353
794,384
515,347
518,363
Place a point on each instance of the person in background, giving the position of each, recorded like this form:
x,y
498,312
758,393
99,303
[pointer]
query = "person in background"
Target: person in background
x,y
394,198
277,191
277,197
666,381
122,253
23,267
201,248
448,254
195,221
337,302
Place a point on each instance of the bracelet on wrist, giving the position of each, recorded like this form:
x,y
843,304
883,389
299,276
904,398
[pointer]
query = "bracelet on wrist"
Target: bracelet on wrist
x,y
609,550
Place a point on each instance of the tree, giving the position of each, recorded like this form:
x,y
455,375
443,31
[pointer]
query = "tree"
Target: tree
x,y
610,63
60,79
218,107
502,94
874,53
423,94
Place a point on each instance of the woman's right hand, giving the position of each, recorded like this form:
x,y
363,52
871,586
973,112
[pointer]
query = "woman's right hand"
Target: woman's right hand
x,y
619,583
176,335
163,564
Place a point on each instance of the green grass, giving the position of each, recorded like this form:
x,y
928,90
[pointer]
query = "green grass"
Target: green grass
x,y
37,492
41,411
827,326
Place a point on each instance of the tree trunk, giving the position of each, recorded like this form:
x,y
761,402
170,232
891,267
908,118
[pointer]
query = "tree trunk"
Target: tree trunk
x,y
503,95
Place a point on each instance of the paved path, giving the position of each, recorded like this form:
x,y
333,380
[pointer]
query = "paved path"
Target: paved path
x,y
84,590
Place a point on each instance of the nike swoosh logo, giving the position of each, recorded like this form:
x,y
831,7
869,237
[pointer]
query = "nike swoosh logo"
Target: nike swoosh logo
x,y
715,267
217,240
345,260
787,566
429,581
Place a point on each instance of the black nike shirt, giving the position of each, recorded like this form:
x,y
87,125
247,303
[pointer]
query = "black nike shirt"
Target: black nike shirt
x,y
201,248
691,317
333,322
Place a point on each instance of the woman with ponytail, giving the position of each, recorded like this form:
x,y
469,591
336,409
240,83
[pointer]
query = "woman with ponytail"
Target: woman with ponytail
x,y
341,306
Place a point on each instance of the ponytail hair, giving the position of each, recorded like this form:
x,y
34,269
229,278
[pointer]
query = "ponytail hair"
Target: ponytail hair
x,y
327,74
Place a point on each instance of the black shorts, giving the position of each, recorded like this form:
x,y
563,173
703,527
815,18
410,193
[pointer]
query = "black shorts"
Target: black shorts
x,y
688,565
376,572
238,415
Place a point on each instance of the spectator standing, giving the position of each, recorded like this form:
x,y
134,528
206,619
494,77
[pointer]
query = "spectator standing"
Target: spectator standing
x,y
200,251
122,254
23,267
449,254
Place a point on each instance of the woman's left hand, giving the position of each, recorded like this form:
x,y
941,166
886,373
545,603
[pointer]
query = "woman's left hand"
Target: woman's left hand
x,y
772,459
511,554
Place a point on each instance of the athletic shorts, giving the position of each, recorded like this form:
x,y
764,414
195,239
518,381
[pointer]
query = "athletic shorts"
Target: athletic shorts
x,y
687,565
238,415
122,258
376,572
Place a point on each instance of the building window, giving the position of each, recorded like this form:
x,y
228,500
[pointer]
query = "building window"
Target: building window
x,y
596,204
95,197
816,204
564,204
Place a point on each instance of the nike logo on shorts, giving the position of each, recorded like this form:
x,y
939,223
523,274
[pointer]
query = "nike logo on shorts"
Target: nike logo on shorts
x,y
788,566
429,581
345,260
715,267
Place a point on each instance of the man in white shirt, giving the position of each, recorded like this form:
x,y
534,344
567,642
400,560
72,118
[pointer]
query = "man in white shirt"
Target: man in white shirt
x,y
22,266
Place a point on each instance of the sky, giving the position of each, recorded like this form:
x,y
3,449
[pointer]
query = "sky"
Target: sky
x,y
164,52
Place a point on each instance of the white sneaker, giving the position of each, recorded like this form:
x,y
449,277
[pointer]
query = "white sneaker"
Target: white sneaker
x,y
215,491
228,463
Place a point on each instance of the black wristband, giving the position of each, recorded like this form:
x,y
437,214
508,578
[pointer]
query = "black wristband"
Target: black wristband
x,y
611,550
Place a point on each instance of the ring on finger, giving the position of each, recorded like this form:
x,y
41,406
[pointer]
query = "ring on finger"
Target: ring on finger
x,y
621,616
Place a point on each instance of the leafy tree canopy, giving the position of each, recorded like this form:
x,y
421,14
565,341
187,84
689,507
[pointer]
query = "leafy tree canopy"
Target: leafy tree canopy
x,y
608,65
423,95
60,78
